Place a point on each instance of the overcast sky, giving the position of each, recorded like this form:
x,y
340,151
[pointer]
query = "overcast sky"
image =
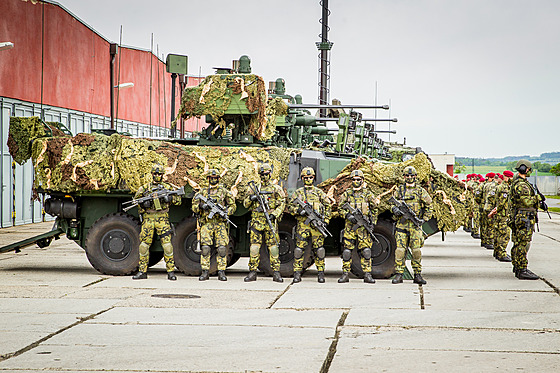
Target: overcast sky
x,y
477,78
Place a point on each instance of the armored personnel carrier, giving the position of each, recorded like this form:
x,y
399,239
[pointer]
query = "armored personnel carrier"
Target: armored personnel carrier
x,y
85,179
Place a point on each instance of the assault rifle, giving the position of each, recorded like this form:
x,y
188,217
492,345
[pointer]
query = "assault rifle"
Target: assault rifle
x,y
264,207
363,221
407,212
313,217
215,208
542,203
157,192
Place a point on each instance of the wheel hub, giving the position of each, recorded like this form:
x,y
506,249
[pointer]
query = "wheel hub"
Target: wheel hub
x,y
116,244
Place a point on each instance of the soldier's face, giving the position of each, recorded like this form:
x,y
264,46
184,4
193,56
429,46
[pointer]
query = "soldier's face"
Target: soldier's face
x,y
410,179
265,177
308,180
213,180
357,182
156,176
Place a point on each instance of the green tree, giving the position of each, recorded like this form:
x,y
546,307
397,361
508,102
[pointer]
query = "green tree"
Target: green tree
x,y
556,169
459,168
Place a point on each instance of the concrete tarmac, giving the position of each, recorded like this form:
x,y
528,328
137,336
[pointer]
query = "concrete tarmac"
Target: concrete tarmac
x,y
58,314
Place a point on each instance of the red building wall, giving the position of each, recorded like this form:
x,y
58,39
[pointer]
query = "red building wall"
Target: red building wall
x,y
72,62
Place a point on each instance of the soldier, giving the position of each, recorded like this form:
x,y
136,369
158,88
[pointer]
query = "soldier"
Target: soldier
x,y
523,203
215,230
359,198
489,201
500,214
274,199
407,233
475,184
321,204
155,217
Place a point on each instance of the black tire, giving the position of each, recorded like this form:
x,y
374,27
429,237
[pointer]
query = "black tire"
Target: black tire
x,y
155,258
112,244
184,243
286,250
383,253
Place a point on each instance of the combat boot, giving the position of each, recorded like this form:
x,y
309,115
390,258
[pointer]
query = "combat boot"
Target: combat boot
x,y
321,277
525,274
368,279
344,278
397,279
505,258
140,276
204,275
171,276
277,277
252,276
222,275
490,246
418,279
476,236
297,277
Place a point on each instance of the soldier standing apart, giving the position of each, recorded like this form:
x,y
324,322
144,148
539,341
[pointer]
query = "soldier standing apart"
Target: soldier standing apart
x,y
523,204
319,201
213,230
155,217
274,200
358,198
500,214
408,234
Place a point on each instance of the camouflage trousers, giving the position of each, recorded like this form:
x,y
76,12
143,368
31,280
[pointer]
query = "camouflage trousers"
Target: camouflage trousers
x,y
521,236
476,221
158,222
215,233
304,233
486,228
360,238
414,239
501,238
271,239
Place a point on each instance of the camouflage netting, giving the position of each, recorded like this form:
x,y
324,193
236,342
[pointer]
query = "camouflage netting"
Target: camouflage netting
x,y
381,178
95,162
213,96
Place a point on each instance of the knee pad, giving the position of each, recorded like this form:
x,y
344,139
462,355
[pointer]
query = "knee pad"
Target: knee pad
x,y
321,253
254,250
274,250
222,250
366,253
298,253
205,250
346,255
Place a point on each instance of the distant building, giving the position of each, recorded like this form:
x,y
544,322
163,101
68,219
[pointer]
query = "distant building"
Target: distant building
x,y
443,162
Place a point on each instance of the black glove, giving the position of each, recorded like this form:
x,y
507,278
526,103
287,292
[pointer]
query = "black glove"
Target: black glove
x,y
254,198
351,218
396,211
147,204
204,206
302,211
166,199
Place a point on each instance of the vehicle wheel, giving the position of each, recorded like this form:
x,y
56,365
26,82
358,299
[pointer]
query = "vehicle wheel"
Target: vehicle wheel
x,y
155,258
233,260
383,253
286,250
184,243
112,244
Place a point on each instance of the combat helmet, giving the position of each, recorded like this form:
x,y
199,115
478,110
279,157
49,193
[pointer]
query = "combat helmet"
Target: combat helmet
x,y
523,166
357,173
212,173
409,170
307,171
157,169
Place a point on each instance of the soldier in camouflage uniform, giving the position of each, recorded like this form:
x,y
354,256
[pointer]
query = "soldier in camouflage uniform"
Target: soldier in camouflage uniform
x,y
475,185
274,197
358,197
523,204
499,215
489,201
321,204
155,217
408,234
467,225
214,231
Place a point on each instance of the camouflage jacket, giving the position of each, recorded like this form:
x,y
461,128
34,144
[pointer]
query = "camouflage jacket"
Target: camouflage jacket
x,y
361,199
417,199
276,202
489,196
502,194
220,195
315,197
158,205
522,197
478,188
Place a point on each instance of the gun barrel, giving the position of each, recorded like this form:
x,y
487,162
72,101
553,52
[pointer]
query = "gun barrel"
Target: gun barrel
x,y
380,120
318,106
